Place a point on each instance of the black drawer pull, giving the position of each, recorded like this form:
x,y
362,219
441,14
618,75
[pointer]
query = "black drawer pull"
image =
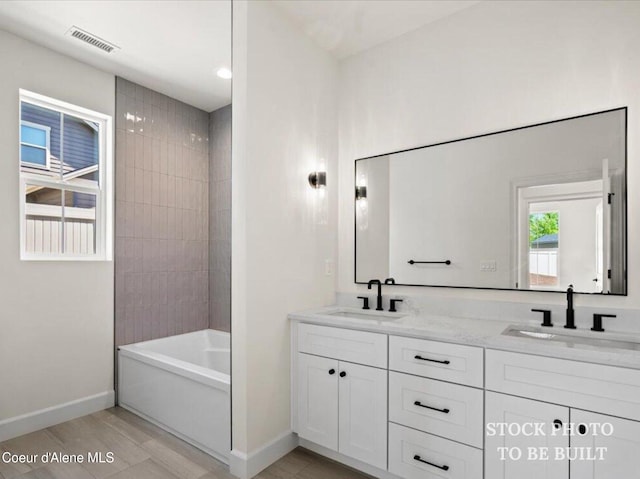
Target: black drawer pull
x,y
417,458
446,361
418,403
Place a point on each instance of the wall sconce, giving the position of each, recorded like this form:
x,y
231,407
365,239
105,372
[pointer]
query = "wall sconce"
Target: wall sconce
x,y
318,179
362,203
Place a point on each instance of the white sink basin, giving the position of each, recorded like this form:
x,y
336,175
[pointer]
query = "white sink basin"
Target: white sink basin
x,y
570,340
364,314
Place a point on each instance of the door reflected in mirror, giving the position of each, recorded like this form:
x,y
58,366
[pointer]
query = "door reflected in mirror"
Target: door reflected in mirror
x,y
534,208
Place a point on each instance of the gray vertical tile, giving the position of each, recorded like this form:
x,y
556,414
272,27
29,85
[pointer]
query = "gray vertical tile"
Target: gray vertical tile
x,y
147,228
164,185
138,231
163,155
162,253
155,155
155,187
148,153
121,184
130,149
130,184
130,120
139,152
130,219
121,112
139,178
171,158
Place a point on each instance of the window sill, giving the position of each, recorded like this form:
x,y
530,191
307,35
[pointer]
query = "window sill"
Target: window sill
x,y
63,258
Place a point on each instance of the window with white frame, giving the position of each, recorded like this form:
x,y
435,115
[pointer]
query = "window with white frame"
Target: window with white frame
x,y
34,144
65,177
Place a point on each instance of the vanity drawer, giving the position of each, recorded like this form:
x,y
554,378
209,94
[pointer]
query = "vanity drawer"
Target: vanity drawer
x,y
595,387
344,344
408,449
445,361
448,410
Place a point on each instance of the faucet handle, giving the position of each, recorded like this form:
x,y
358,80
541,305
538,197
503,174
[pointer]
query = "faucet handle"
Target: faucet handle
x,y
392,303
365,304
390,281
546,318
597,321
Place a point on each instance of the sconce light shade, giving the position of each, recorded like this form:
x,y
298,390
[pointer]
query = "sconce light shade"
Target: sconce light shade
x,y
318,179
361,192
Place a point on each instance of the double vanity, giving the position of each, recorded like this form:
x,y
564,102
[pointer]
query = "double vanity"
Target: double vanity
x,y
419,396
415,395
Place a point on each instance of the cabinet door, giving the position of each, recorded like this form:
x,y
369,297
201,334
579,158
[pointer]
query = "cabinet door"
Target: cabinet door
x,y
515,413
619,459
363,413
318,400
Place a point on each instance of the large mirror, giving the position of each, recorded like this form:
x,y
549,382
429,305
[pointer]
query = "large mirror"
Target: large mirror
x,y
540,207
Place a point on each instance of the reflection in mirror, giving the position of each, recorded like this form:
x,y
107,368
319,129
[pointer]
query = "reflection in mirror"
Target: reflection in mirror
x,y
535,208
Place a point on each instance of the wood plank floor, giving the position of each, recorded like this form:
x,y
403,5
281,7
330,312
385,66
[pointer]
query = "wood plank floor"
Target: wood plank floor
x,y
142,451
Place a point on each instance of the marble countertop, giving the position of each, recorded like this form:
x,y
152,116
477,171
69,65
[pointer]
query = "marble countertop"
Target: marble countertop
x,y
480,332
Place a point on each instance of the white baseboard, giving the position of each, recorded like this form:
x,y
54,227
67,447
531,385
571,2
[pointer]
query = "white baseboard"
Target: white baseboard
x,y
347,461
34,421
245,466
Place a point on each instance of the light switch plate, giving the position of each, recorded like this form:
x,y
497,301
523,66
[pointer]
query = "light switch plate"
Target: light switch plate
x,y
328,267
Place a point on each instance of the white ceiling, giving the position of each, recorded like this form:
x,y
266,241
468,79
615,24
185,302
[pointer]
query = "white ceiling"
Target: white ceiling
x,y
174,47
348,27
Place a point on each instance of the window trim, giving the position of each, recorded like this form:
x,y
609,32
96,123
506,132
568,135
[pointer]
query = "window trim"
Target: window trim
x,y
46,147
103,192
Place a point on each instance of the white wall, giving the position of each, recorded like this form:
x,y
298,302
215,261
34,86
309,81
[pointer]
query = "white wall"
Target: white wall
x,y
494,66
284,127
56,318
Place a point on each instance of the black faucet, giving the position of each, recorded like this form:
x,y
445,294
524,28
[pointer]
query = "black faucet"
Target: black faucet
x,y
571,324
379,298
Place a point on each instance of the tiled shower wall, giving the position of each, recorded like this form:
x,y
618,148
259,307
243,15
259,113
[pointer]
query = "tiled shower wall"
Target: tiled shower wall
x,y
162,211
220,219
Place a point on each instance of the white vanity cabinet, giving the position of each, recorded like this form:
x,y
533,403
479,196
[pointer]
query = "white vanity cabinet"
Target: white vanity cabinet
x,y
558,390
317,386
412,408
510,454
342,405
620,449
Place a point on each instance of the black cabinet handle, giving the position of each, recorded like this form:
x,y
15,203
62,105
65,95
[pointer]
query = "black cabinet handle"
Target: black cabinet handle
x,y
418,458
582,429
446,361
557,423
418,403
342,374
332,371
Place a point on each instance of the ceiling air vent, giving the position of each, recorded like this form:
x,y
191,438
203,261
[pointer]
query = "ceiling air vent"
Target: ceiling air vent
x,y
91,39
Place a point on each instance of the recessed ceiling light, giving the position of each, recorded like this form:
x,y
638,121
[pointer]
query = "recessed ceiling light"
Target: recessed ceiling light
x,y
224,73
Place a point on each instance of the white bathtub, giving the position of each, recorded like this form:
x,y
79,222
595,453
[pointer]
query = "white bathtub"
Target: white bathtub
x,y
181,383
